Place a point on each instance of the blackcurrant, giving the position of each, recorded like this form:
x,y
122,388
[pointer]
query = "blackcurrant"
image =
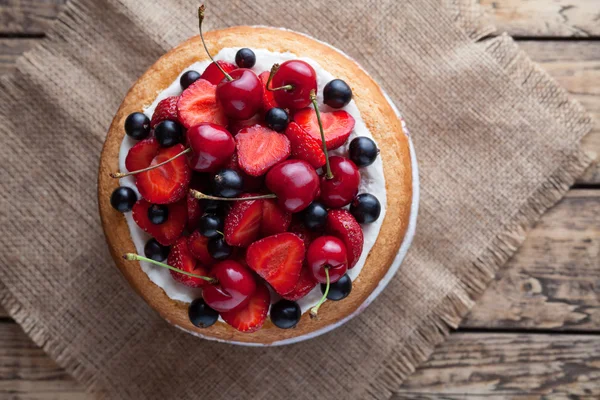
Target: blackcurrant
x,y
365,208
338,290
315,216
363,151
337,93
201,315
285,314
277,119
219,249
227,183
123,198
245,58
137,126
156,251
188,78
168,133
211,225
158,213
213,206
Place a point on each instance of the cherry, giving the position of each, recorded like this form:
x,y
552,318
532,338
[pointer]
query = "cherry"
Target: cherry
x,y
292,83
342,187
211,147
295,183
233,287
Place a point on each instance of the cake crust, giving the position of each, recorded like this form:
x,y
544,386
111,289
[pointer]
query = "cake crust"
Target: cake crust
x,y
378,115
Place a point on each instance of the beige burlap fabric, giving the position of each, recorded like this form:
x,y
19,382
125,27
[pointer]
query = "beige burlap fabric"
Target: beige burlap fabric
x,y
496,139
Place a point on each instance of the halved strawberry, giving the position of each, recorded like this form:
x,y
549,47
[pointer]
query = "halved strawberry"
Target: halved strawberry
x,y
181,258
242,224
198,103
305,284
168,232
251,183
278,260
305,146
168,183
235,126
268,97
198,246
166,109
252,317
213,74
341,223
274,219
337,125
298,228
260,148
141,154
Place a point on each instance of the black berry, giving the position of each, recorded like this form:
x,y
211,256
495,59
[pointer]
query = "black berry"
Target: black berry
x,y
211,225
227,183
168,133
337,93
201,315
315,216
219,249
188,78
137,126
277,119
158,213
212,206
285,314
245,58
363,151
123,198
365,208
156,251
338,290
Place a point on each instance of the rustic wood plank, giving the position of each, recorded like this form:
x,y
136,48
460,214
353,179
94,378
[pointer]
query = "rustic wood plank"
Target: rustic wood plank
x,y
29,17
3,313
557,18
12,48
508,366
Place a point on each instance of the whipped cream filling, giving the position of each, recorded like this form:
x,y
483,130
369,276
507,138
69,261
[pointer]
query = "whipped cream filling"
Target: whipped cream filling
x,y
372,177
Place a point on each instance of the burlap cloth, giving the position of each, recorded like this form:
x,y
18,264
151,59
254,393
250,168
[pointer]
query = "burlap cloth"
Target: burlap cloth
x,y
497,142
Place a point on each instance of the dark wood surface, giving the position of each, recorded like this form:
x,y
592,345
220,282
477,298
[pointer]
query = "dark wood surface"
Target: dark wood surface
x,y
535,332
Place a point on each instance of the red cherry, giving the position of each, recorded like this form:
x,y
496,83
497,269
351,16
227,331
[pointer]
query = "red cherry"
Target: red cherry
x,y
240,96
327,253
211,147
339,190
295,183
214,75
235,284
292,83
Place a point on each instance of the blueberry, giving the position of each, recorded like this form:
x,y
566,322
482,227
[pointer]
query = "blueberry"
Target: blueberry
x,y
245,58
156,251
219,249
337,94
188,78
201,315
137,126
213,206
338,290
227,183
285,314
211,225
363,151
158,213
365,208
315,216
277,119
168,133
122,199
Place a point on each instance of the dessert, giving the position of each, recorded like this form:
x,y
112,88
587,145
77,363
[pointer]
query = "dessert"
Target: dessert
x,y
262,196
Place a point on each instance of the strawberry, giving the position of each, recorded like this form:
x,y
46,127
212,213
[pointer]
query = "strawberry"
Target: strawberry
x,y
166,109
168,183
341,223
305,146
168,232
305,284
337,125
307,236
198,103
214,75
194,206
198,246
141,154
274,219
278,260
268,97
242,224
181,258
251,183
260,148
252,317
236,126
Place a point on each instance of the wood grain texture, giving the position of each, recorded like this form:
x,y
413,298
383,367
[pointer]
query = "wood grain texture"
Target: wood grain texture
x,y
29,17
12,48
545,18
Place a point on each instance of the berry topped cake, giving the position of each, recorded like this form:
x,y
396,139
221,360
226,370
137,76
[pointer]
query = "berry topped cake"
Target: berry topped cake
x,y
257,186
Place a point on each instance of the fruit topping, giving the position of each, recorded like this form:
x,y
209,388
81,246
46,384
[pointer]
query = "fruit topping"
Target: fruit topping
x,y
198,245
285,314
341,224
182,259
365,208
198,103
338,290
337,126
168,133
274,219
341,188
211,225
211,147
201,315
260,148
156,251
245,58
305,146
277,119
166,110
242,224
158,214
219,249
122,199
363,151
315,216
292,83
295,183
137,126
227,183
214,74
141,154
233,287
169,231
337,94
268,96
305,284
252,317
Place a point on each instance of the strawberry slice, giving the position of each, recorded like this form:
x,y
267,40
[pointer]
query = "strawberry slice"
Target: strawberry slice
x,y
235,126
168,183
168,232
194,209
213,74
268,96
337,125
341,223
198,246
252,317
259,148
198,103
305,146
180,257
251,183
141,154
307,236
242,224
274,219
278,260
166,109
305,284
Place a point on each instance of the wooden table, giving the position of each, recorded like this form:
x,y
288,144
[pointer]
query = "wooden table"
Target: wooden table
x,y
535,331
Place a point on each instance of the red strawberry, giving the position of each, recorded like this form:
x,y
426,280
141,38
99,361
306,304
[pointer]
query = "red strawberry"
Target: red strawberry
x,y
305,146
252,317
251,183
181,258
198,246
194,209
307,236
166,184
242,224
278,260
141,154
168,232
214,75
268,97
274,218
341,223
166,109
235,126
260,148
198,103
337,125
305,284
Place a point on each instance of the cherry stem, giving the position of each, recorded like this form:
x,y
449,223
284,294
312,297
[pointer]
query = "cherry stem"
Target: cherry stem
x,y
139,171
314,311
274,70
200,19
201,196
313,99
136,257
